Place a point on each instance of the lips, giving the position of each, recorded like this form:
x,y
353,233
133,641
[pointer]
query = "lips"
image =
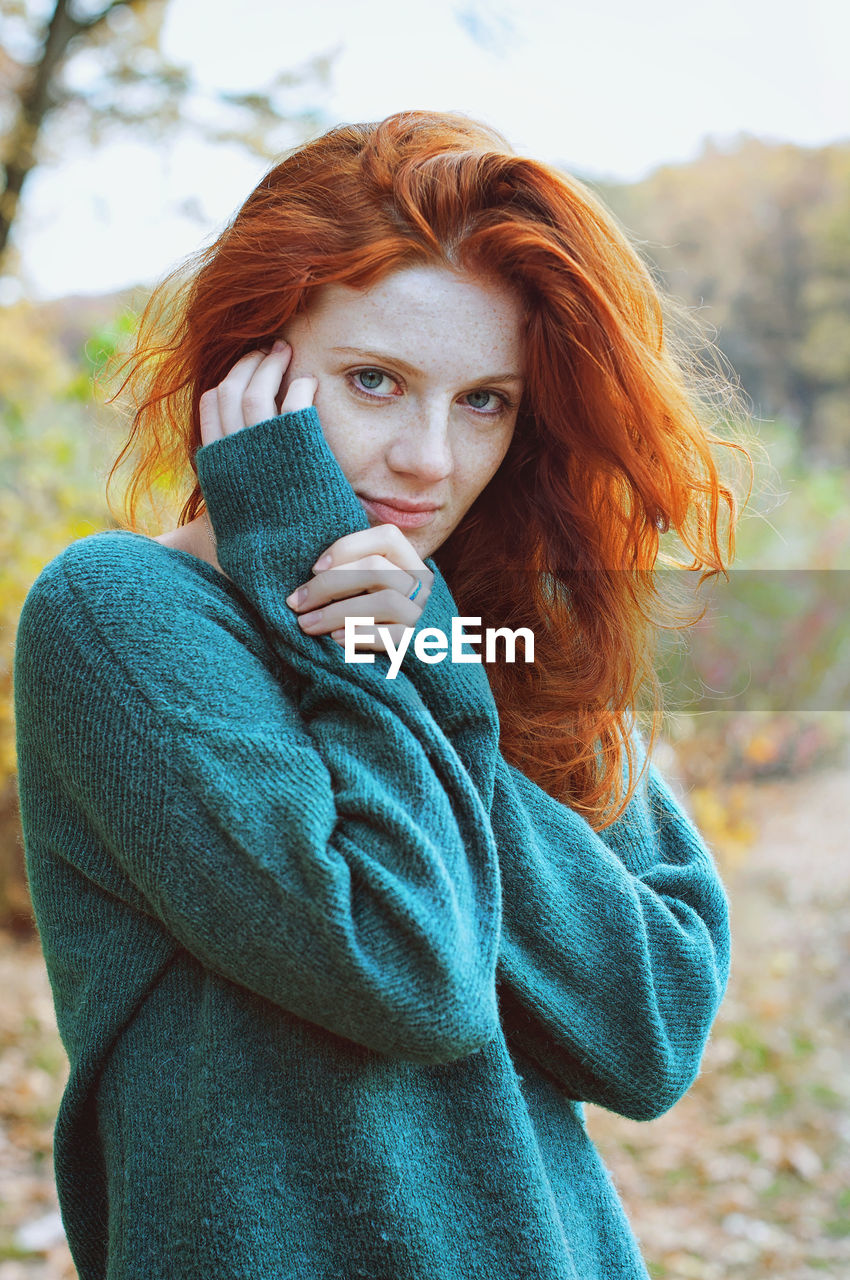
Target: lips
x,y
410,515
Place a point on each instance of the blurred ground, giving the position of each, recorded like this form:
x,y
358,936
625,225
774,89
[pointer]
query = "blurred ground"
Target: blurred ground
x,y
747,1177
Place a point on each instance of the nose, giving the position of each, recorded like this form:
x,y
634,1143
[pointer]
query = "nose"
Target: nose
x,y
421,446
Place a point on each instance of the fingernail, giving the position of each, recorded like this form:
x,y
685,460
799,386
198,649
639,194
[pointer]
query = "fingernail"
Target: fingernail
x,y
279,344
338,635
297,597
322,562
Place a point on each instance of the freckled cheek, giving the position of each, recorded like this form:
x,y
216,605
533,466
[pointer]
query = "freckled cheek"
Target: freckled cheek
x,y
329,404
468,485
487,464
351,434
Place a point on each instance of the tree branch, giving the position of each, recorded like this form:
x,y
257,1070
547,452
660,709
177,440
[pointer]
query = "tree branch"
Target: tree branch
x,y
34,105
88,24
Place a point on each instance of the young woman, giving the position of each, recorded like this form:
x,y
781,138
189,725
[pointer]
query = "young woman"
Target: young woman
x,y
338,955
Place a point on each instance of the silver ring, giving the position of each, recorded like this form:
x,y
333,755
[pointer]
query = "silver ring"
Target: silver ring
x,y
415,590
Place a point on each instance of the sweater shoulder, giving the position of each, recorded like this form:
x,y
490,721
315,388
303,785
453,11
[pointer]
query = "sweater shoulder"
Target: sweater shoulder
x,y
121,565
122,607
127,566
123,592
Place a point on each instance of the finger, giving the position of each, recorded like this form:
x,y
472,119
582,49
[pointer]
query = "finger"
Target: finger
x,y
382,539
231,389
210,404
383,606
259,399
210,419
368,574
299,394
374,571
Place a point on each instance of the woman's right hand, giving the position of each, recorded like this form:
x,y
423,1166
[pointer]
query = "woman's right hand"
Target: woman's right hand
x,y
251,393
364,575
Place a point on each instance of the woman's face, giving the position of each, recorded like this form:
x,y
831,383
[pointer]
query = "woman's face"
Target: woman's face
x,y
419,383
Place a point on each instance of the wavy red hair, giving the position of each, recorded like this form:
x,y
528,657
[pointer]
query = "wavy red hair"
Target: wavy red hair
x,y
614,443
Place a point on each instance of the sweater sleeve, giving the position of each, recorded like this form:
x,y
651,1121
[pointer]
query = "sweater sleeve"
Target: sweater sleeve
x,y
614,952
315,837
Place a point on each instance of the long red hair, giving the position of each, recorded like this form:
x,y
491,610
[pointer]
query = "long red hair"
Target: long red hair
x,y
614,442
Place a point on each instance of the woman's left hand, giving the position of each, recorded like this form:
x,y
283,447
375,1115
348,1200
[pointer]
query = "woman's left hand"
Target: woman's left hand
x,y
379,562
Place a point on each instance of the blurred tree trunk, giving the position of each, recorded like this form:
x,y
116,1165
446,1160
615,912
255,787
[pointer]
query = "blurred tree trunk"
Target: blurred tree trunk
x,y
35,100
136,87
15,908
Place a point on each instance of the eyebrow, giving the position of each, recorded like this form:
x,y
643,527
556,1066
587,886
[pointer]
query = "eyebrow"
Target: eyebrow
x,y
385,357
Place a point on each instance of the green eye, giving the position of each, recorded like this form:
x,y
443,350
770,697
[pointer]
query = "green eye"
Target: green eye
x,y
501,404
371,379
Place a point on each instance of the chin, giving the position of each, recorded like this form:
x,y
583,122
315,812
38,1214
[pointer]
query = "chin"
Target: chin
x,y
430,549
423,540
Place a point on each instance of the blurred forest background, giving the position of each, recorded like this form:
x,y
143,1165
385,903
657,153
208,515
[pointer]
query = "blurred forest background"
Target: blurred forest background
x,y
750,1175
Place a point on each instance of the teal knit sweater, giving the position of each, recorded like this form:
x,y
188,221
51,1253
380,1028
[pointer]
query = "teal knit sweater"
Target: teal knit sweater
x,y
333,978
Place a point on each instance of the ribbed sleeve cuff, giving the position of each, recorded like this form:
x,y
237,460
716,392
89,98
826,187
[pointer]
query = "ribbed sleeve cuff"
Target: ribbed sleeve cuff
x,y
279,478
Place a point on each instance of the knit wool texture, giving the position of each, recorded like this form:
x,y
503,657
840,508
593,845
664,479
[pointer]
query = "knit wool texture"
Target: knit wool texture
x,y
333,978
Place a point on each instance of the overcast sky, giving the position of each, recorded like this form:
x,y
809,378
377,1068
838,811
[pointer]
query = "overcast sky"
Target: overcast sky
x,y
611,88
